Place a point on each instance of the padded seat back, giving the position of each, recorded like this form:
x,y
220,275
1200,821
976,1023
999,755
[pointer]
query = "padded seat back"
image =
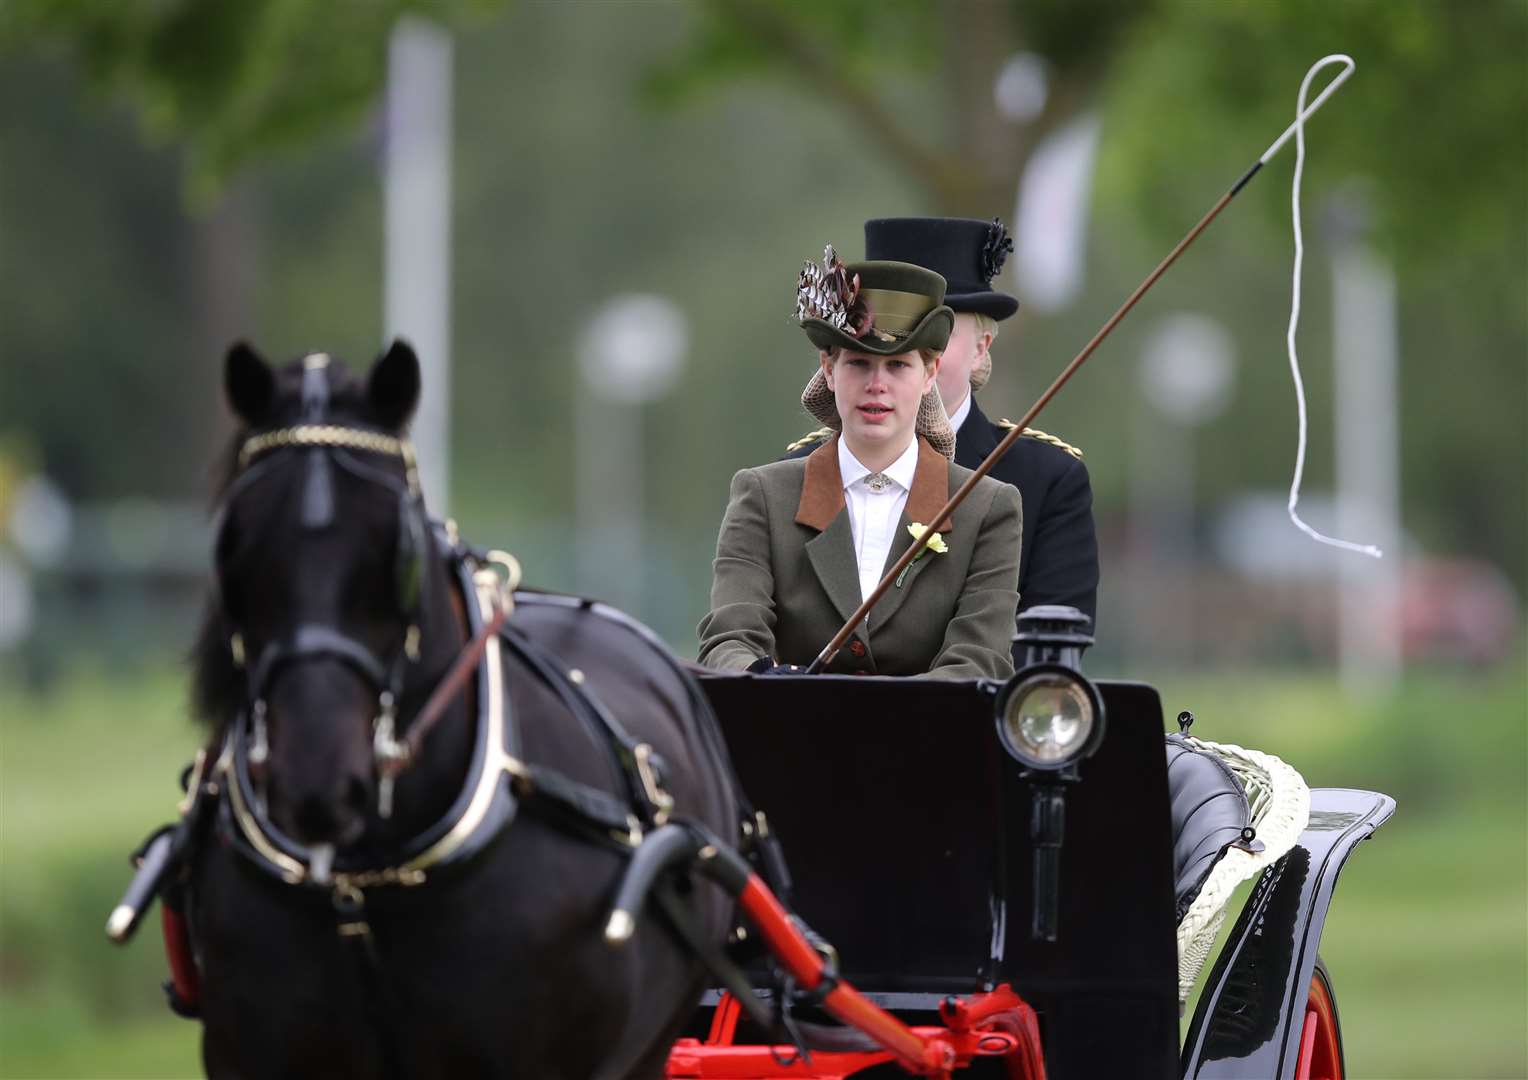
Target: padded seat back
x,y
1209,813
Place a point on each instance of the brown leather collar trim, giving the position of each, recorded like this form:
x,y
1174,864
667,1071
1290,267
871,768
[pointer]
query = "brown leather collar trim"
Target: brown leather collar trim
x,y
931,486
822,489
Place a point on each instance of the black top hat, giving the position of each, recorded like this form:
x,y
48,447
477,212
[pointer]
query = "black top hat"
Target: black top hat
x,y
966,252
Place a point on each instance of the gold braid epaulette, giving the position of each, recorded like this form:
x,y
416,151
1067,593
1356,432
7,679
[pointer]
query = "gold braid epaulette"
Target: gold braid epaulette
x,y
808,439
1036,433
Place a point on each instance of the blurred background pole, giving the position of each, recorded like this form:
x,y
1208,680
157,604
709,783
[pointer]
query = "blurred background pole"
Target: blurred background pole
x,y
1187,374
418,232
630,354
1368,451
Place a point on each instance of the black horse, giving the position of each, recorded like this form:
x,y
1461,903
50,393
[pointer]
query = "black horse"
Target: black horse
x,y
450,924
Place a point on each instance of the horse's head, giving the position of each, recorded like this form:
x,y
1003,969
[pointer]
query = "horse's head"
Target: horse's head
x,y
322,578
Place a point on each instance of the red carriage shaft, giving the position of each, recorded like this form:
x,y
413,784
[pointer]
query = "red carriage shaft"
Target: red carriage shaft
x,y
925,1052
931,1056
998,1024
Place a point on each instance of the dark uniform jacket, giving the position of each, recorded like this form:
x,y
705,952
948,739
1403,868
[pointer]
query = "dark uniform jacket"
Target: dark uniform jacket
x,y
1058,563
1058,560
786,578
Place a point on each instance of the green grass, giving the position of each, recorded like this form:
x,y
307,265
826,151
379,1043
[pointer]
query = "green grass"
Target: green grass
x,y
84,774
1427,941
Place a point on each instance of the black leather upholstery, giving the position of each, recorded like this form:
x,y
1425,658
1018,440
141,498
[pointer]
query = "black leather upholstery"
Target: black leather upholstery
x,y
1209,812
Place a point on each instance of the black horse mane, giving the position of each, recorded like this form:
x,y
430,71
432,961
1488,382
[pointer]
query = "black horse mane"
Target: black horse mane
x,y
217,685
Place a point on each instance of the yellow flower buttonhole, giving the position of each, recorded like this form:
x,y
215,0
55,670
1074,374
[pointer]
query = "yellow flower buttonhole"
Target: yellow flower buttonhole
x,y
936,544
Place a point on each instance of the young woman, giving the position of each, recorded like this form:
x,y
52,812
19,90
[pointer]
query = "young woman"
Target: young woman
x,y
805,540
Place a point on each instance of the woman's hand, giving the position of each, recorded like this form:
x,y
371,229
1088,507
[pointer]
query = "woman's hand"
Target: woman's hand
x,y
765,665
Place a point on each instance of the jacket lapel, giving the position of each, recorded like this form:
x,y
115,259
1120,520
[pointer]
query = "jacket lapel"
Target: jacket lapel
x,y
831,552
930,491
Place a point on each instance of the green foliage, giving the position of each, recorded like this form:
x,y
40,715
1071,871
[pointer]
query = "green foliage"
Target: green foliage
x,y
767,38
1435,116
871,59
1074,36
236,82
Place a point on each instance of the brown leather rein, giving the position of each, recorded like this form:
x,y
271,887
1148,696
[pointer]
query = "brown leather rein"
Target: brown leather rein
x,y
395,756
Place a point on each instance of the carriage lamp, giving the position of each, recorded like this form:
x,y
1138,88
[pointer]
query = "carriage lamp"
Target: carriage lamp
x,y
1049,719
1049,715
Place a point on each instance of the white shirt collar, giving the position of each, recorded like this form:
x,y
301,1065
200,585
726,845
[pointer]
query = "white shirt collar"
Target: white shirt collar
x,y
901,470
960,414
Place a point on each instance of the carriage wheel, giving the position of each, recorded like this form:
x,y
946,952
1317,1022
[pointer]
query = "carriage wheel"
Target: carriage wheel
x,y
1321,1037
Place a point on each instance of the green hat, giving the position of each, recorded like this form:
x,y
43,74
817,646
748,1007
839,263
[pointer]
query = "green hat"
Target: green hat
x,y
882,308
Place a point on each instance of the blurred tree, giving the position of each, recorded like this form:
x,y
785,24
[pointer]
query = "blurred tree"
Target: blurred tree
x,y
1436,121
1187,88
1435,118
236,81
854,53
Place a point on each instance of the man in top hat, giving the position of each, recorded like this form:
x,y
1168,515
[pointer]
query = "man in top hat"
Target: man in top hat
x,y
1058,561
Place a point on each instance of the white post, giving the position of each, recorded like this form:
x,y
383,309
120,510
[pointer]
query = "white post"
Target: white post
x,y
631,353
1368,454
1188,372
417,304
608,500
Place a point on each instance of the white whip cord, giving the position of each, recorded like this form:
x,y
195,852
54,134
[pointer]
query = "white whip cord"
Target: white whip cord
x,y
1302,113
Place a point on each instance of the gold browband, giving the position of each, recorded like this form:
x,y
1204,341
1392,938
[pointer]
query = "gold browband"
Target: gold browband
x,y
332,435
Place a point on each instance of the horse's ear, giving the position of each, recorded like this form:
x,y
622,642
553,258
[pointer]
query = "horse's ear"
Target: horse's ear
x,y
393,386
249,383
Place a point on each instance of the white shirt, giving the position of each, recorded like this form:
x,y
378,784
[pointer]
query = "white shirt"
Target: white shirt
x,y
874,515
961,413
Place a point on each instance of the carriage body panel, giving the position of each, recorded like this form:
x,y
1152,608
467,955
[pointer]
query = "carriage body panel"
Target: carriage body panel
x,y
1252,1011
907,830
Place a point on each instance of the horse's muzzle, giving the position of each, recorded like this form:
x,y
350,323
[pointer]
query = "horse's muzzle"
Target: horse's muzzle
x,y
336,815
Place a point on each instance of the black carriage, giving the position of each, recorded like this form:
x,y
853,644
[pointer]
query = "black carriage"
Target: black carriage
x,y
943,867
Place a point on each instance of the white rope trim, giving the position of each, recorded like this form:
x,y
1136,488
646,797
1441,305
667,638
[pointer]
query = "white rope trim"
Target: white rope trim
x,y
1302,112
1280,803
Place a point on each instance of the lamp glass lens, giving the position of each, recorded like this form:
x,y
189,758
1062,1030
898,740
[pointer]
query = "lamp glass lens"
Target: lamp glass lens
x,y
1049,719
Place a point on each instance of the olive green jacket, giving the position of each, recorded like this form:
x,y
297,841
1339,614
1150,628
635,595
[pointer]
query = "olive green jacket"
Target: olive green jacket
x,y
785,577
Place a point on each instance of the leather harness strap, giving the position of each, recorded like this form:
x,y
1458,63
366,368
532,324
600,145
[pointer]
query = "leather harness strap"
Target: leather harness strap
x,y
573,690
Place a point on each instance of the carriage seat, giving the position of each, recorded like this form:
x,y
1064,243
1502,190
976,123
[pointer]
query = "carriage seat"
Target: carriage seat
x,y
1209,813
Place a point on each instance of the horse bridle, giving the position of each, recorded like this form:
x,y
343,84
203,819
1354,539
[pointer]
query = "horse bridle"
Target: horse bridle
x,y
326,445
491,577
